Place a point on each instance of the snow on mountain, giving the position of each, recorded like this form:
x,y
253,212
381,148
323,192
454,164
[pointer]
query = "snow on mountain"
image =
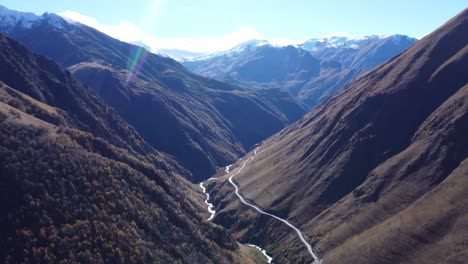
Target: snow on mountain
x,y
248,45
335,42
55,21
346,41
10,18
245,46
332,41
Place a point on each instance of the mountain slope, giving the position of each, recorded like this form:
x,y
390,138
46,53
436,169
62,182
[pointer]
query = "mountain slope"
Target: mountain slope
x,y
312,79
358,53
78,184
376,173
260,65
202,122
345,58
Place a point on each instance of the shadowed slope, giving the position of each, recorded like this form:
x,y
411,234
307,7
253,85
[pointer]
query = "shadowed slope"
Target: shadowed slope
x,y
78,184
203,123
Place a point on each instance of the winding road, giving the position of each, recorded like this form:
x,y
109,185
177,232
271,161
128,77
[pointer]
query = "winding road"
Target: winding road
x,y
317,260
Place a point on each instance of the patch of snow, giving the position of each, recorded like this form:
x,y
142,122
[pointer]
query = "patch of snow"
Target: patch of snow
x,y
55,21
246,46
332,41
337,41
251,44
11,18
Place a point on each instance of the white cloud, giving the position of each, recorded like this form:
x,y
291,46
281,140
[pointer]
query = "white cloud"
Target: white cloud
x,y
125,31
129,32
209,44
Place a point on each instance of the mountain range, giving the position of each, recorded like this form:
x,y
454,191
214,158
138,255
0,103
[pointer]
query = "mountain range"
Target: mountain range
x,y
112,154
376,174
202,122
311,71
79,184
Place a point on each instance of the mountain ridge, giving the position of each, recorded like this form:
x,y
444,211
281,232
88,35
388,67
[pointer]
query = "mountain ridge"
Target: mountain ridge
x,y
311,71
186,116
362,171
79,184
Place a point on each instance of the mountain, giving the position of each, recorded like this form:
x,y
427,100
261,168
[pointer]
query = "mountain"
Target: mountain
x,y
78,184
344,58
358,52
376,174
202,122
260,65
312,79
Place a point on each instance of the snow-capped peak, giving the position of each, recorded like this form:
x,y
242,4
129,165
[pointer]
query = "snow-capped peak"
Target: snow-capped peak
x,y
248,45
54,20
341,40
397,38
334,40
245,46
11,18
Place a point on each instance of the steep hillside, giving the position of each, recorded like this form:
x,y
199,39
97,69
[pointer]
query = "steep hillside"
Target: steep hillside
x,y
78,184
312,79
202,122
377,174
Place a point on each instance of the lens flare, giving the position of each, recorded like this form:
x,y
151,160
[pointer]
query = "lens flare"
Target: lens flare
x,y
136,59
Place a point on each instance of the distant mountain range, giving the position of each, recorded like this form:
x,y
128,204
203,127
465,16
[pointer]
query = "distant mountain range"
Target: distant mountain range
x,y
377,173
311,71
203,123
258,64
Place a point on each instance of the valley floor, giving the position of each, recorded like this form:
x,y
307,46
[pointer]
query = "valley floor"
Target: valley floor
x,y
251,204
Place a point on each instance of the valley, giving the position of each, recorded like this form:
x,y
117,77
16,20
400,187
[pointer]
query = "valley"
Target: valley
x,y
207,123
316,259
358,168
245,148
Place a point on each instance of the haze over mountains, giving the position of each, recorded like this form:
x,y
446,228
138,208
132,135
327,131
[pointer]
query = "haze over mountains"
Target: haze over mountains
x,y
103,145
311,71
378,173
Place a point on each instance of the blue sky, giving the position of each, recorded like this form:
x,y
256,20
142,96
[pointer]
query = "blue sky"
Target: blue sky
x,y
211,25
